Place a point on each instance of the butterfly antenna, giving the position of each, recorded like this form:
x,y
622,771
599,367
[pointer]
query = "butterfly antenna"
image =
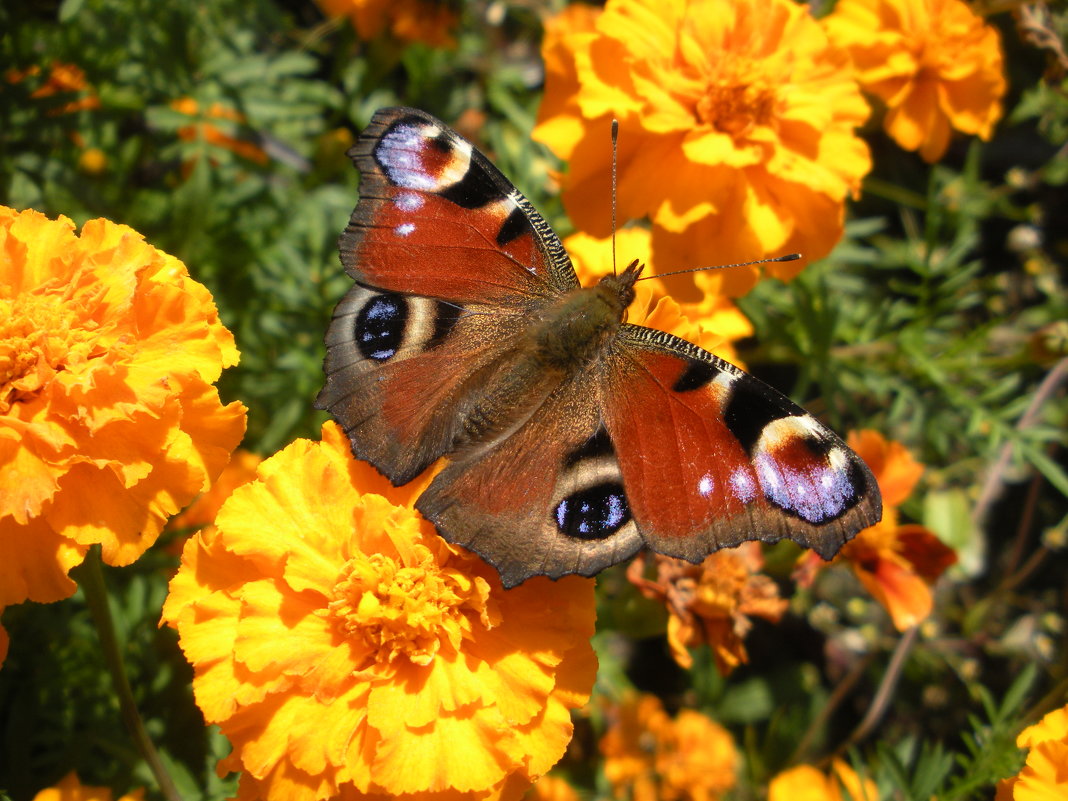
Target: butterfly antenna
x,y
788,257
615,151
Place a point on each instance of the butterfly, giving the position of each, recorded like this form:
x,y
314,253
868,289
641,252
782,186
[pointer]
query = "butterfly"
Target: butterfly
x,y
573,439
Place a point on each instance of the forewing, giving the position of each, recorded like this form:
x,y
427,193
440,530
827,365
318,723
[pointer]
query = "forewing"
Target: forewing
x,y
437,219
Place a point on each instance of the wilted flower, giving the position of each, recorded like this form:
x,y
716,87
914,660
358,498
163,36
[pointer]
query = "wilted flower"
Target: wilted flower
x,y
897,563
651,757
712,602
347,651
736,129
1045,775
109,422
427,21
934,63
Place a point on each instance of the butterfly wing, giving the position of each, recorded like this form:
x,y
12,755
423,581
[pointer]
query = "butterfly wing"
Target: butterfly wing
x,y
711,457
437,219
546,500
449,259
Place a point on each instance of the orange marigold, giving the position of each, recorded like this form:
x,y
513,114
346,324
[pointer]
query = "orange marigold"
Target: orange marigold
x,y
651,757
712,602
62,81
213,134
806,783
897,563
736,129
1045,775
71,789
714,323
109,422
347,651
934,63
428,21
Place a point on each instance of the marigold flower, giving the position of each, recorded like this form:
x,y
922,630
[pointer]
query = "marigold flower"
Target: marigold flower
x,y
63,79
650,757
736,129
240,470
552,788
71,789
1045,775
427,21
934,63
347,651
896,563
712,602
806,783
212,134
714,322
109,422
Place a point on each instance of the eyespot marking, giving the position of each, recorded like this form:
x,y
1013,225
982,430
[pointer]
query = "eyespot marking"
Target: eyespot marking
x,y
593,513
379,327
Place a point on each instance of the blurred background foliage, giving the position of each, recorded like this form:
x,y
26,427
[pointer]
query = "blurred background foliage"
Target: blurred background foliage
x,y
218,131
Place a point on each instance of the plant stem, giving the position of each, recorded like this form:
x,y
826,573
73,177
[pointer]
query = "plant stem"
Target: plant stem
x,y
91,580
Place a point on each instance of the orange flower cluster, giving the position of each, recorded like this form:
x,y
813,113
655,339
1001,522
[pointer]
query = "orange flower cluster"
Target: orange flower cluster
x,y
714,323
212,134
934,63
651,757
1045,775
428,21
810,784
71,789
896,563
712,602
109,422
63,79
347,651
736,128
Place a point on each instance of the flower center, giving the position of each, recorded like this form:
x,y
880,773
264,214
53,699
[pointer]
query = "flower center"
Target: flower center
x,y
737,99
40,335
410,611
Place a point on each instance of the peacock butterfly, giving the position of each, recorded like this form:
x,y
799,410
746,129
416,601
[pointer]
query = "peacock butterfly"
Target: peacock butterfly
x,y
573,439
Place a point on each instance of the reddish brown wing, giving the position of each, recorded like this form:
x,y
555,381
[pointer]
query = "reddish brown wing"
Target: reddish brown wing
x,y
437,219
546,500
449,258
711,456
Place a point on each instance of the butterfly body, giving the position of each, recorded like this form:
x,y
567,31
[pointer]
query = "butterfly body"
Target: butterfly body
x,y
573,438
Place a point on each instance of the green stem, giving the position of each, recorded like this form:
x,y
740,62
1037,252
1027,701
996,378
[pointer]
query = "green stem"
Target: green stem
x,y
91,580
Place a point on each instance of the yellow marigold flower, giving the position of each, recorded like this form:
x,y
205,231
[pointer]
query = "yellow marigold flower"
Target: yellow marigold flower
x,y
109,422
806,783
427,21
240,470
650,757
71,789
714,322
897,563
347,651
934,63
712,602
1045,775
736,129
